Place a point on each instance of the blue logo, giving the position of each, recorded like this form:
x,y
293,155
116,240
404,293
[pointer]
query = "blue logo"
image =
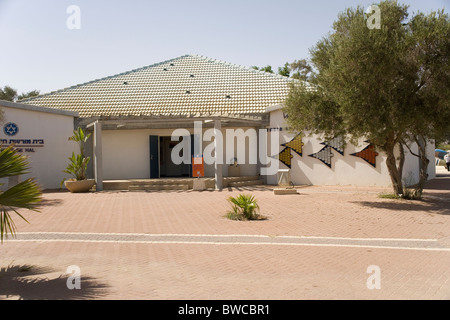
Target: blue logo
x,y
11,129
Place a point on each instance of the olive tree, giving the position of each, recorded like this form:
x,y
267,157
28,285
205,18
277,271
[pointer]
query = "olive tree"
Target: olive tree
x,y
389,85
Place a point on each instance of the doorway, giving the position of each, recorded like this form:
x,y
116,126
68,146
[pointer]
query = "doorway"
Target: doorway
x,y
166,166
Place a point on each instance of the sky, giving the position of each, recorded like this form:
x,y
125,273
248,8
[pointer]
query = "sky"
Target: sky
x,y
41,52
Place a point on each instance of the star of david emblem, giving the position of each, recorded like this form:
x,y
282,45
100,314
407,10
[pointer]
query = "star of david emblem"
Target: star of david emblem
x,y
11,129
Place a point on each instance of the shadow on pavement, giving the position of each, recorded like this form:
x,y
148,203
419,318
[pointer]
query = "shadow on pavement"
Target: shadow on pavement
x,y
51,202
436,199
32,283
434,206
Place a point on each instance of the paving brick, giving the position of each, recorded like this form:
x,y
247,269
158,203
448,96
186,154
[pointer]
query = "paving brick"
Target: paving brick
x,y
202,255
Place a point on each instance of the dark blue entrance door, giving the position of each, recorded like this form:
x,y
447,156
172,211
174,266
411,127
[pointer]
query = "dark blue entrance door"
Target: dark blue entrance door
x,y
154,157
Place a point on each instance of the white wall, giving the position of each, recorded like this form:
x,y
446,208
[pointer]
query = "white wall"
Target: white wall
x,y
126,154
411,166
345,169
47,162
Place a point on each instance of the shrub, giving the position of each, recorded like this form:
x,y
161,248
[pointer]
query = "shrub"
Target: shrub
x,y
78,163
244,207
26,194
408,194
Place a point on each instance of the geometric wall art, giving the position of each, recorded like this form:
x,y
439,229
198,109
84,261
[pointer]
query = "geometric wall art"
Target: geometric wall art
x,y
285,157
324,155
295,144
336,143
368,154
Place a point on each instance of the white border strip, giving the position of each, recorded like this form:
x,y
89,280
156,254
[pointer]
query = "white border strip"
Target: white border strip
x,y
224,235
229,242
235,243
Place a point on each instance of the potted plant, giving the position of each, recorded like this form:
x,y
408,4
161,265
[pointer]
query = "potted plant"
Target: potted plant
x,y
78,166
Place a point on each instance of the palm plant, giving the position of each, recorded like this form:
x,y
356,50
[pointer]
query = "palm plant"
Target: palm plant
x,y
80,137
244,207
78,163
26,194
77,166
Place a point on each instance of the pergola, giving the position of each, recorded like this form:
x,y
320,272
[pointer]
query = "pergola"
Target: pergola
x,y
171,121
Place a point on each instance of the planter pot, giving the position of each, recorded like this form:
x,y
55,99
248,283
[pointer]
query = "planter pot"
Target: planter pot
x,y
76,186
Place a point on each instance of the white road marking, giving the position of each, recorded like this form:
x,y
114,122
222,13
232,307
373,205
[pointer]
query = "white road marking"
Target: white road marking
x,y
235,239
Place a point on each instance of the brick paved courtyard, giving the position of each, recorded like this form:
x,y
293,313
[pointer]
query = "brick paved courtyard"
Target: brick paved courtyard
x,y
318,244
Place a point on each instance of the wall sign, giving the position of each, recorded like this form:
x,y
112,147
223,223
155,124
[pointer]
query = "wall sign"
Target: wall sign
x,y
198,167
11,129
278,129
21,145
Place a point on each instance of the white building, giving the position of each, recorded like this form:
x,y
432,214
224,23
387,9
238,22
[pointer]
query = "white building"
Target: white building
x,y
134,114
42,135
330,163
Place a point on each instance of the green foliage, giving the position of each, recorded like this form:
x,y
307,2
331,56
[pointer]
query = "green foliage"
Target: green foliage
x,y
33,93
10,94
25,194
78,163
77,166
243,207
285,70
80,137
388,196
411,194
301,69
411,190
265,69
390,86
408,194
444,140
7,93
12,163
443,146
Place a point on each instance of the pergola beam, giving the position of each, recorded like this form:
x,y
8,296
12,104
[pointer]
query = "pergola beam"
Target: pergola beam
x,y
174,121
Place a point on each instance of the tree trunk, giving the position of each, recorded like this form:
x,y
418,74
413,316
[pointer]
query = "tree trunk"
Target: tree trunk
x,y
424,161
395,172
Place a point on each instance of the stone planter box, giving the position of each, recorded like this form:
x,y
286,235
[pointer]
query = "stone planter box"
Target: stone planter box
x,y
234,171
281,191
199,184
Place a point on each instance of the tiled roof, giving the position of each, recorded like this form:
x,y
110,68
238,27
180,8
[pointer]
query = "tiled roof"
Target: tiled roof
x,y
189,84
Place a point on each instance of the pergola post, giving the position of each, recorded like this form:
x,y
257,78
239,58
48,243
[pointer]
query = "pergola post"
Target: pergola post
x,y
97,151
218,175
258,153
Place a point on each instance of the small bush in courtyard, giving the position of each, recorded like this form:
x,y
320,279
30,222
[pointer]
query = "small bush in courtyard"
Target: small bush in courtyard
x,y
244,207
408,194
